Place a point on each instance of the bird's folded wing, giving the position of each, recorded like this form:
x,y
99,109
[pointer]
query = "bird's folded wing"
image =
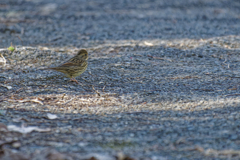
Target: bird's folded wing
x,y
78,63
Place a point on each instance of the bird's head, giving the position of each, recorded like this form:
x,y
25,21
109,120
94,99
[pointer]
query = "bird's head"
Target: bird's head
x,y
83,54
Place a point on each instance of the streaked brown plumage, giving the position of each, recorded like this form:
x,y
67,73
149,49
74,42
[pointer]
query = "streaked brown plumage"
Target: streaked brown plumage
x,y
74,66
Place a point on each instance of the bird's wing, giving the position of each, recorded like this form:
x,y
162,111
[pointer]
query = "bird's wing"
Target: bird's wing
x,y
80,62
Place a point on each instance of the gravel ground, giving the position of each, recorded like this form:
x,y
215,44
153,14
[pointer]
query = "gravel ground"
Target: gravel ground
x,y
162,81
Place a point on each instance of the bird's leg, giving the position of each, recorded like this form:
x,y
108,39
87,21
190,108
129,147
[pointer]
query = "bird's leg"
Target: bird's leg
x,y
74,80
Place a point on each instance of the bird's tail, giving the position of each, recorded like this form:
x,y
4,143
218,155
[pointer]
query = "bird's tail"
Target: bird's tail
x,y
46,68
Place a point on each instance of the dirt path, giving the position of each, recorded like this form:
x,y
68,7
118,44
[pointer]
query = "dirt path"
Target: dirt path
x,y
162,81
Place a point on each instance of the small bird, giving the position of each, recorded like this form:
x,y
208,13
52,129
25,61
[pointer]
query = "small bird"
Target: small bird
x,y
74,66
